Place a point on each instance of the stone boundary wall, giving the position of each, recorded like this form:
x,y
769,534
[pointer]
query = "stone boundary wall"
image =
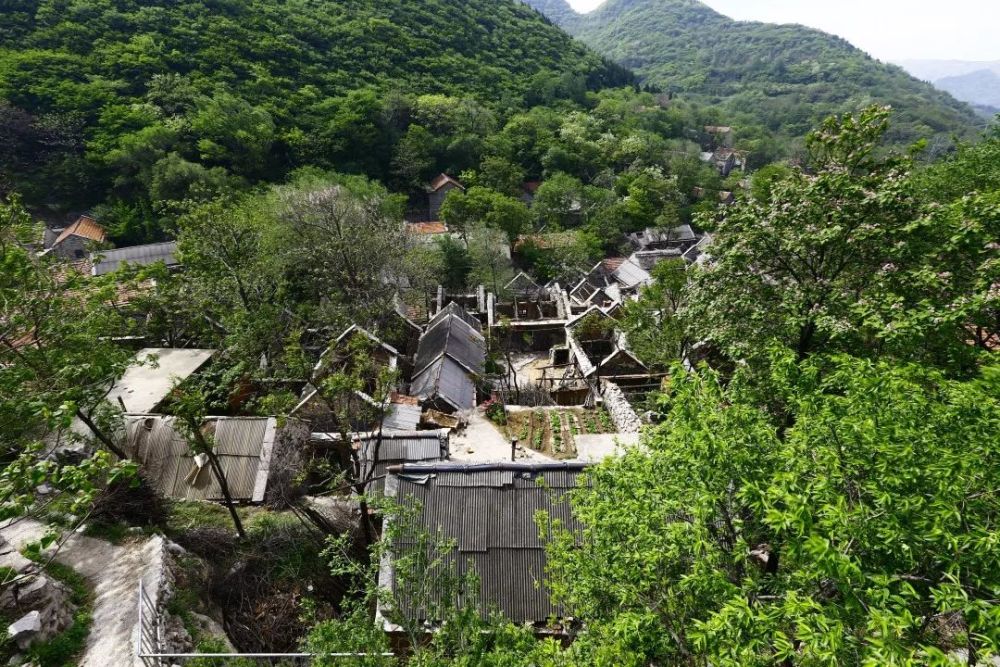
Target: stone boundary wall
x,y
622,415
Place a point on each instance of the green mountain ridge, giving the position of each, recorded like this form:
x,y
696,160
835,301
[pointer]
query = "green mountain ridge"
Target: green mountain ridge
x,y
787,77
91,91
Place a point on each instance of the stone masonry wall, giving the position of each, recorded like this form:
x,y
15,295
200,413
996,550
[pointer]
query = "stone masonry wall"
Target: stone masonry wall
x,y
622,415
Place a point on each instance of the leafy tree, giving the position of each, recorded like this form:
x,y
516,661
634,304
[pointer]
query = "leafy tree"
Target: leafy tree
x,y
190,407
57,365
798,267
859,534
489,259
655,332
457,263
478,205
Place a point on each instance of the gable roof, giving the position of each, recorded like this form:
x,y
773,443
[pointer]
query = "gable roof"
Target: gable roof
x,y
442,180
452,308
488,511
108,261
85,227
448,380
355,329
522,281
453,337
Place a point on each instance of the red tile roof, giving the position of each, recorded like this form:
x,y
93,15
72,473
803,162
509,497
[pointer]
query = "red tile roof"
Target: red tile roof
x,y
613,263
84,226
424,228
531,186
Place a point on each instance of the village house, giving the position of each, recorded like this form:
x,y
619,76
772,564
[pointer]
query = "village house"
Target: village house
x,y
437,190
599,349
663,238
142,389
368,405
77,240
531,317
450,360
488,513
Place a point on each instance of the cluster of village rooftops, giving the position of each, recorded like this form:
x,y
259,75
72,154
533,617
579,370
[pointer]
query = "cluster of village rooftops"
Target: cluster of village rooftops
x,y
487,507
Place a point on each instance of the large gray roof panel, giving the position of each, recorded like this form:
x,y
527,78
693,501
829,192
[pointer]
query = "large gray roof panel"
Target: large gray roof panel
x,y
489,512
108,261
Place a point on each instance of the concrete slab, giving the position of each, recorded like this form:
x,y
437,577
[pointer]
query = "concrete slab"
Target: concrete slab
x,y
144,385
481,442
600,446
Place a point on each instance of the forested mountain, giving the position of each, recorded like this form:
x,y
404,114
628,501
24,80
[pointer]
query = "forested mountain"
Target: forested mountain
x,y
787,77
114,97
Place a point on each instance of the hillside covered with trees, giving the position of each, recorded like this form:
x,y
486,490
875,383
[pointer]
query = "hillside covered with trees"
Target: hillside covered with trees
x,y
617,402
133,103
785,77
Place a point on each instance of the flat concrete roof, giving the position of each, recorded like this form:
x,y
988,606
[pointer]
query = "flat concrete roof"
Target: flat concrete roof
x,y
144,385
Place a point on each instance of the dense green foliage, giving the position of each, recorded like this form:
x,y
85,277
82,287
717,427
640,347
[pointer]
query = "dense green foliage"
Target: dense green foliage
x,y
784,77
860,534
146,103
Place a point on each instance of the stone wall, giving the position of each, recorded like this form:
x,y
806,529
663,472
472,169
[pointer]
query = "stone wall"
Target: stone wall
x,y
622,415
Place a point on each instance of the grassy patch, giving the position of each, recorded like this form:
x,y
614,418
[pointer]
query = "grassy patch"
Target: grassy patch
x,y
185,515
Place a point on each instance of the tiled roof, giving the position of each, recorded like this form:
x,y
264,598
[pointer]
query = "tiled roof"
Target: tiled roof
x,y
611,264
489,513
84,226
453,337
427,228
448,380
398,448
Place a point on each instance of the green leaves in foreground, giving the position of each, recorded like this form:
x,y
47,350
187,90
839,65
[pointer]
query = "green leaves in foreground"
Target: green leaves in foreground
x,y
861,530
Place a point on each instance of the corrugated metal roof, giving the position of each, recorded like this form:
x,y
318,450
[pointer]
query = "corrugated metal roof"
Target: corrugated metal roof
x,y
453,337
489,512
107,261
446,379
397,448
402,417
243,446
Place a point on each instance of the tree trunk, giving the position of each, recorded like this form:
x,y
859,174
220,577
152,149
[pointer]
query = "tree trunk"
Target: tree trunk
x,y
224,485
105,440
202,447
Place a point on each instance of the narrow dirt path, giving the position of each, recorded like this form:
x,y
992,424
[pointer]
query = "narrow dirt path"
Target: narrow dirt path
x,y
114,572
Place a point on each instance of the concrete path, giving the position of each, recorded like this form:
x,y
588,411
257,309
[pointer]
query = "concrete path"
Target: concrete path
x,y
481,442
114,573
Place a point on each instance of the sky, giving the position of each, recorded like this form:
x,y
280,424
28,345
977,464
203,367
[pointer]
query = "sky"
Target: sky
x,y
887,29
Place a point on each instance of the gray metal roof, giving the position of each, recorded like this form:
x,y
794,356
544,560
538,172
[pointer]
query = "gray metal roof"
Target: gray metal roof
x,y
453,308
631,274
447,379
243,445
399,448
489,511
107,261
402,417
453,337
